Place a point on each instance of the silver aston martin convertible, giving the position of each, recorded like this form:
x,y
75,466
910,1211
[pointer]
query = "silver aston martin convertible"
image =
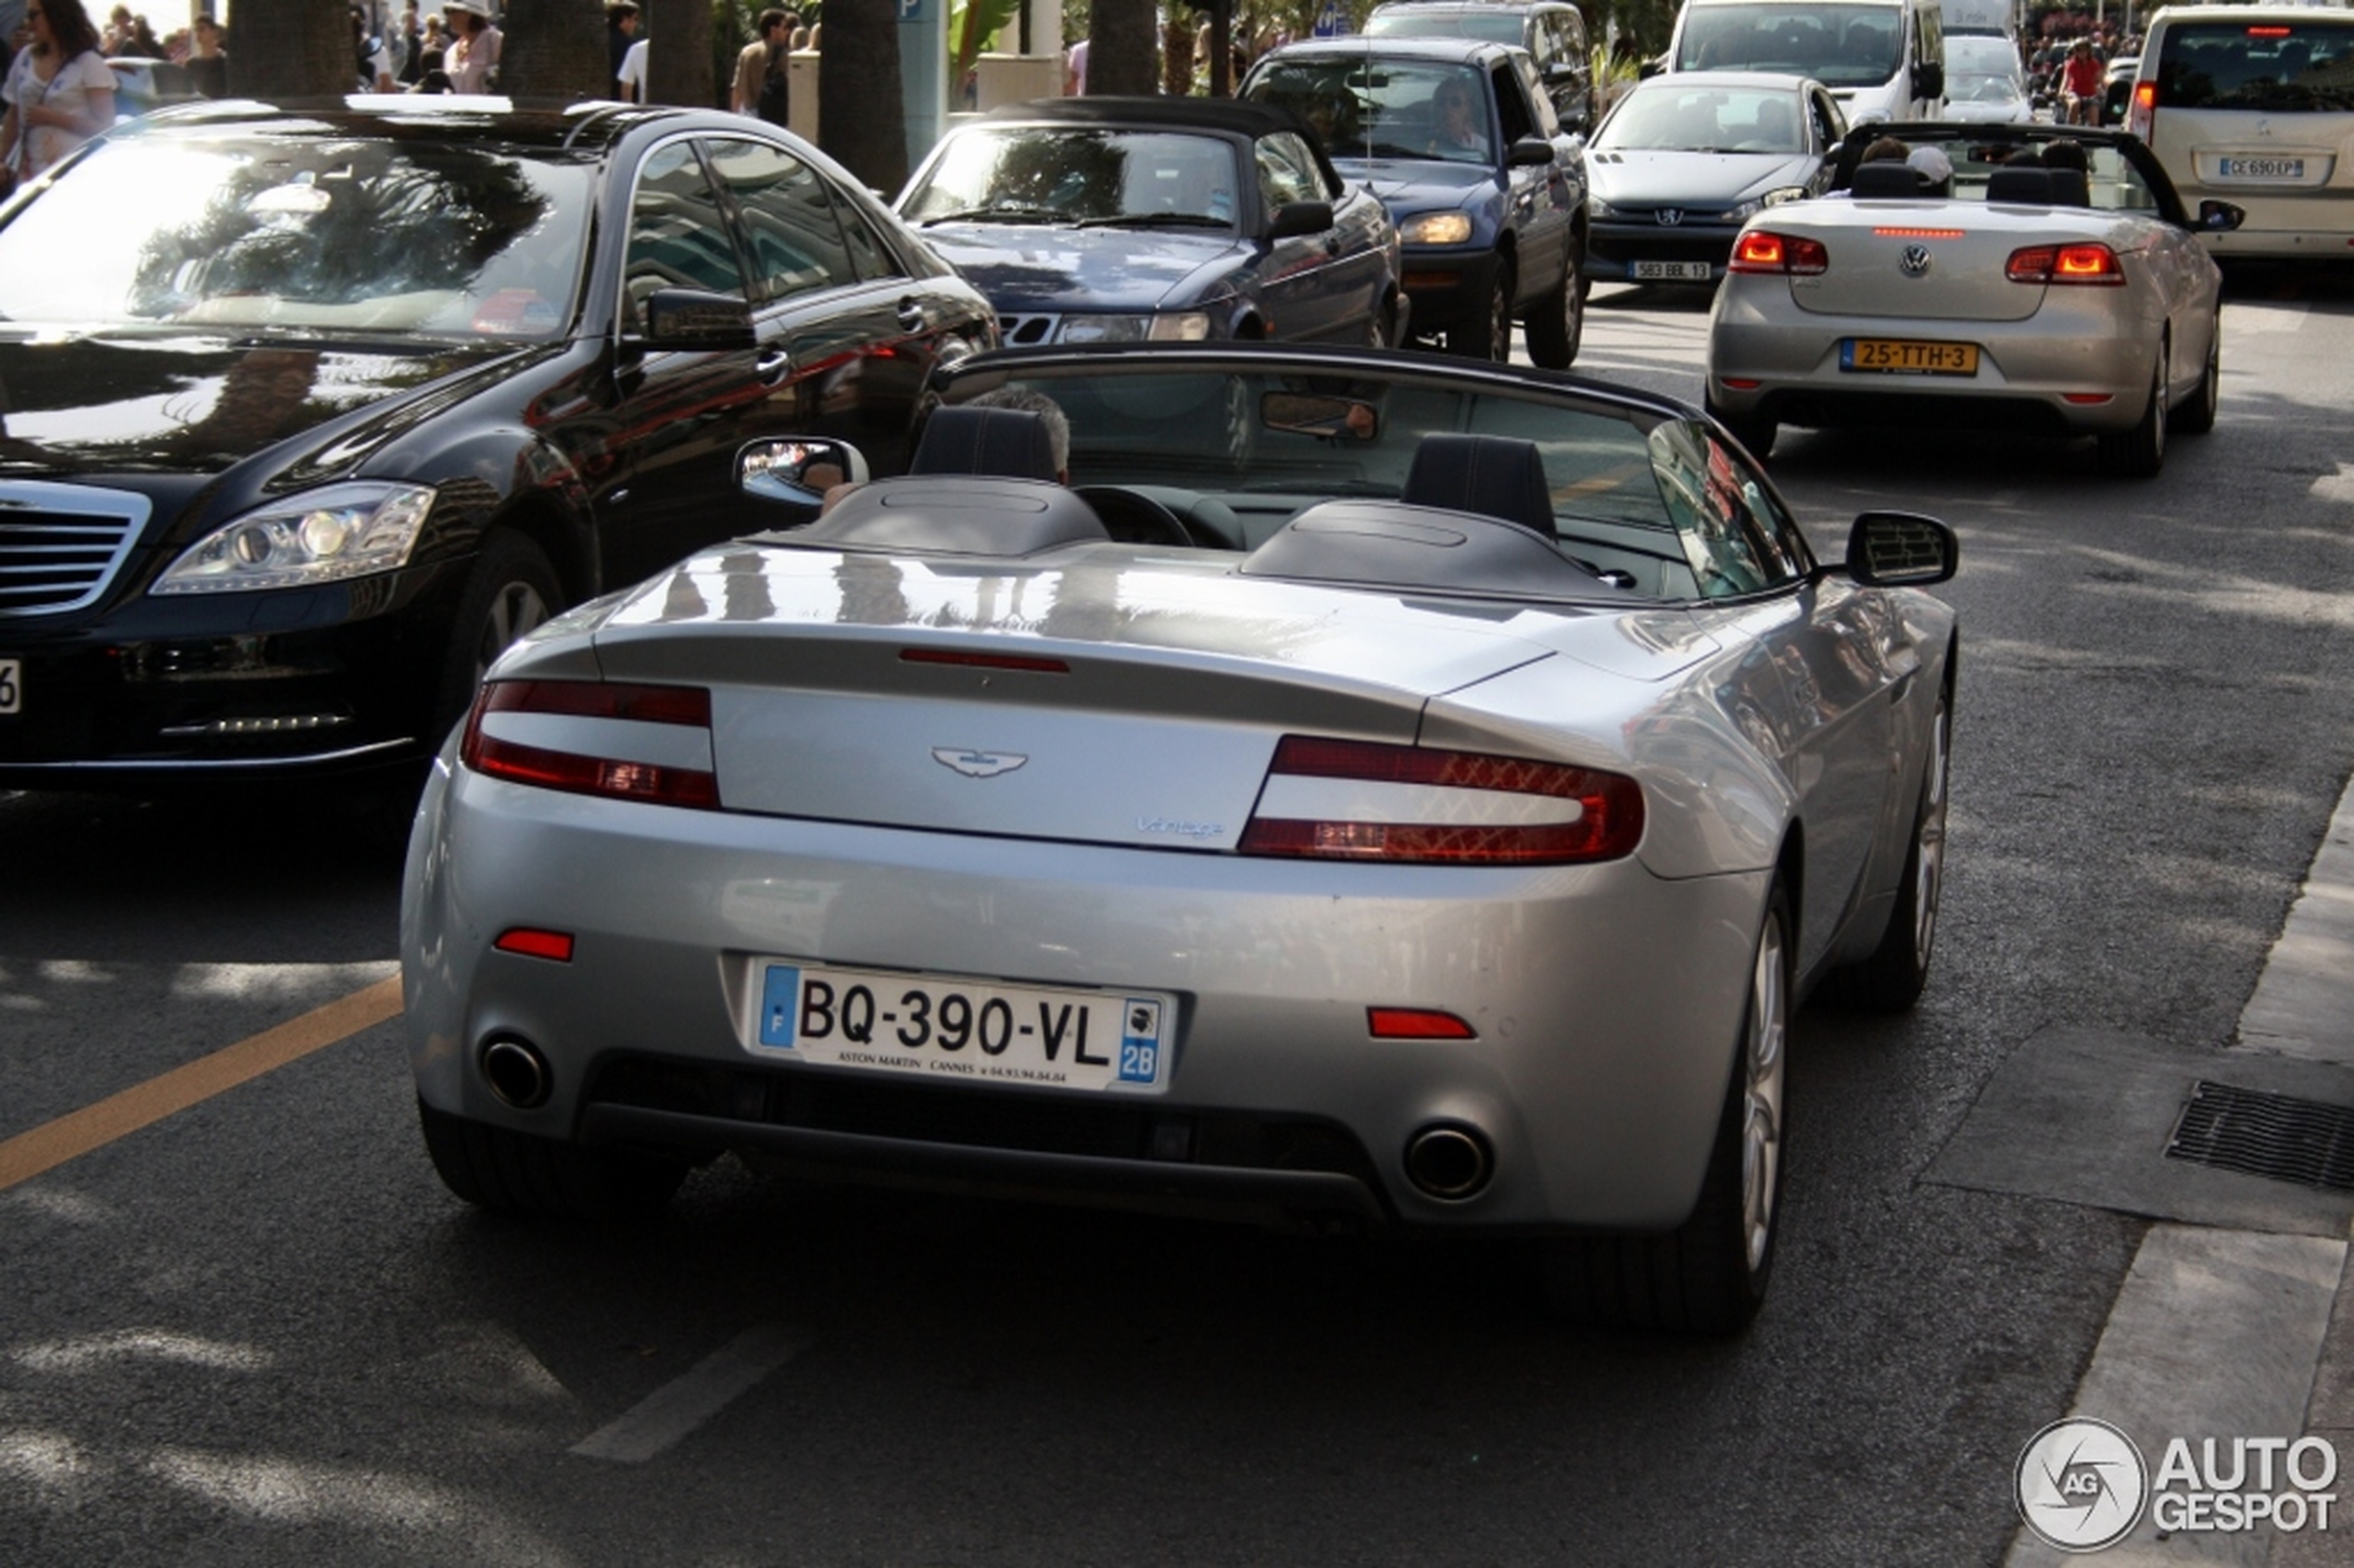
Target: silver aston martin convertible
x,y
1374,790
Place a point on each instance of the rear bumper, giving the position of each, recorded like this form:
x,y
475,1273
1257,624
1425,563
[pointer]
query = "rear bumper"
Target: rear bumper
x,y
1605,1000
1766,357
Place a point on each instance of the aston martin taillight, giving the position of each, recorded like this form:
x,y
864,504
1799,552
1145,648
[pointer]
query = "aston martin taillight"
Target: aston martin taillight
x,y
1356,800
2064,264
596,738
1762,250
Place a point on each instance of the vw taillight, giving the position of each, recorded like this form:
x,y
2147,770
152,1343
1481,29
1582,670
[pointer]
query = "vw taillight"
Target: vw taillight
x,y
1357,799
2086,263
596,738
1762,250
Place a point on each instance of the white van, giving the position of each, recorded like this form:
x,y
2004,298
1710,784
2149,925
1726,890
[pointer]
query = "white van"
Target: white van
x,y
1883,59
2254,105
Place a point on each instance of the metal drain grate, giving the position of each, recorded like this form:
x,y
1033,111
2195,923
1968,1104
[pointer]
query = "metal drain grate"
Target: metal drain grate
x,y
2306,1142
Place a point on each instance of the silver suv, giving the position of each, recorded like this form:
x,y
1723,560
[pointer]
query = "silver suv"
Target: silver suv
x,y
2254,105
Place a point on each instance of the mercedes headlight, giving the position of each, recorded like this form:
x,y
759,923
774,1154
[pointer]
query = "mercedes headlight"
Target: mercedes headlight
x,y
1437,228
1180,327
323,536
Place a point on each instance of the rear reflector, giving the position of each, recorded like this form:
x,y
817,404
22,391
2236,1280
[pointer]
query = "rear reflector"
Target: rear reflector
x,y
2086,263
983,660
589,739
1357,799
535,943
1416,1023
1762,250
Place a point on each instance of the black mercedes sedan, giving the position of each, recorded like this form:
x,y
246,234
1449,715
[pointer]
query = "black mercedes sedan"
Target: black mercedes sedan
x,y
306,413
1116,219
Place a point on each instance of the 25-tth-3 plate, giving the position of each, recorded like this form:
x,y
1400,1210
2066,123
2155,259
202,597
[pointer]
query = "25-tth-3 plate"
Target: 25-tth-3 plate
x,y
955,1028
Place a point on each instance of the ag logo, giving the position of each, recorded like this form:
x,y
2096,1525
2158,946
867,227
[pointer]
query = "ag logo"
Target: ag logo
x,y
2080,1484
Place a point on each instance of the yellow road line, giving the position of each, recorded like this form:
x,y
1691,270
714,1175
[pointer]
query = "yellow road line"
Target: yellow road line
x,y
76,1133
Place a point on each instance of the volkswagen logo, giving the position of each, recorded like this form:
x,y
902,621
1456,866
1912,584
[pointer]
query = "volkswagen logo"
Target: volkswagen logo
x,y
1670,216
1914,264
977,765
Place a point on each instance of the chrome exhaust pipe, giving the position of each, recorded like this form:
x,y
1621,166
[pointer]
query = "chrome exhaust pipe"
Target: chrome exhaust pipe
x,y
1448,1162
516,1072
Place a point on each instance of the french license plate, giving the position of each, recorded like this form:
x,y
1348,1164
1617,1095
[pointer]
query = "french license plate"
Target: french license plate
x,y
2262,168
1904,356
944,1027
1678,271
11,686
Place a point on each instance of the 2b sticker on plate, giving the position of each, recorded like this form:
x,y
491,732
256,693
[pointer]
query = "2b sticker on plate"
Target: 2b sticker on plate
x,y
939,1026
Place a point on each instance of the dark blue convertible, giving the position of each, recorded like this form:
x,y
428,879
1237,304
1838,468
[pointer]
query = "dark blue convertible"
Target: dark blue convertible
x,y
1110,220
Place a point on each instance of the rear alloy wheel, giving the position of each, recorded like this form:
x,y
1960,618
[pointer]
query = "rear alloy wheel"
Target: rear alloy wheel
x,y
1891,979
1753,431
2197,417
1709,1274
2140,452
512,1172
1488,337
1558,324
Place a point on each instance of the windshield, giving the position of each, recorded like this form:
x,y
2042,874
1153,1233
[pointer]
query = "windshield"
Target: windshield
x,y
1837,45
1661,115
2275,67
1384,108
1077,174
309,232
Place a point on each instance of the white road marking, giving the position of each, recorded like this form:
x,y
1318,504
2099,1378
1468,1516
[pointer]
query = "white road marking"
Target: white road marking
x,y
675,1409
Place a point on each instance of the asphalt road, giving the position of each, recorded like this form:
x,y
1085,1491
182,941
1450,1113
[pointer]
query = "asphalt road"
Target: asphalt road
x,y
257,1330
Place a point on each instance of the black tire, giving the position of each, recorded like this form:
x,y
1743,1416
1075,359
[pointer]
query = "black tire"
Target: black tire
x,y
512,590
2197,416
1891,979
1754,432
1556,328
1709,1274
1489,337
2140,452
511,1172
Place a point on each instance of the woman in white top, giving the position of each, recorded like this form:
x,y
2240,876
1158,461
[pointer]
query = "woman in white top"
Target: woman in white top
x,y
60,92
473,60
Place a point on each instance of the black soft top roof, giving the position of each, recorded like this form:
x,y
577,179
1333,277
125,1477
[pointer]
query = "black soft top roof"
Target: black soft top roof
x,y
1233,116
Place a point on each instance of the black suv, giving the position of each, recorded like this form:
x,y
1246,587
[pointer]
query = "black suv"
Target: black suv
x,y
1552,31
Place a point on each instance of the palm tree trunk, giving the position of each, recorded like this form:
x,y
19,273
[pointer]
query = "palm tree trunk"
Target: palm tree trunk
x,y
554,49
863,119
679,62
291,49
1123,57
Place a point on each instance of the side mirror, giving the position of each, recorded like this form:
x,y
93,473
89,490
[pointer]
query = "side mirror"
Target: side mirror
x,y
1900,550
1928,81
2220,216
1532,151
1300,218
691,319
798,469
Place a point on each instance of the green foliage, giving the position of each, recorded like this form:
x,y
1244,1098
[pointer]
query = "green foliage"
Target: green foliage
x,y
972,26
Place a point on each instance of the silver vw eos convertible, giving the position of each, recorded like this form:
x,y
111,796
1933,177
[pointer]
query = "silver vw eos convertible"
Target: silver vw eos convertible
x,y
1374,790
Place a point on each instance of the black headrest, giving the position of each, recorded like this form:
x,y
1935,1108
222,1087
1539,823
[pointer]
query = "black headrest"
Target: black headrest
x,y
1884,178
1493,475
2069,187
2028,187
1011,443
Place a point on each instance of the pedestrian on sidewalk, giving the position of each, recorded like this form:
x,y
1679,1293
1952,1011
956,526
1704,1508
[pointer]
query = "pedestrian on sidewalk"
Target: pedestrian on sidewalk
x,y
59,91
